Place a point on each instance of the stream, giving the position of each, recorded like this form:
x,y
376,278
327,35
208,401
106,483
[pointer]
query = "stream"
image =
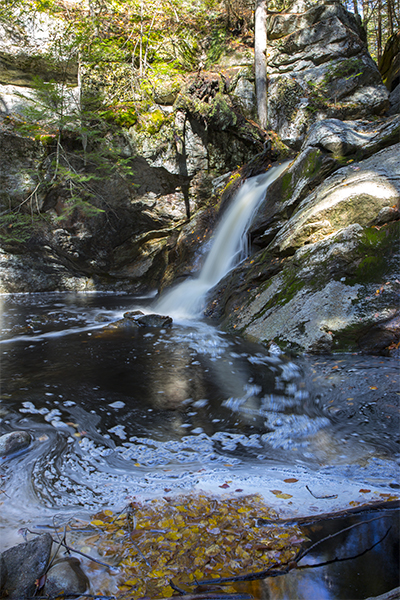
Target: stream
x,y
117,413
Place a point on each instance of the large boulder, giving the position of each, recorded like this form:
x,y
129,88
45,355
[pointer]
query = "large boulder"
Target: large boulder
x,y
24,565
319,67
326,277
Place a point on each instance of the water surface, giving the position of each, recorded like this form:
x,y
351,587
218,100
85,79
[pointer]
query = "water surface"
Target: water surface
x,y
146,411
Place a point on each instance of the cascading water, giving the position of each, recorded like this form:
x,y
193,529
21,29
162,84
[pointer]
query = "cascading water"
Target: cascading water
x,y
185,300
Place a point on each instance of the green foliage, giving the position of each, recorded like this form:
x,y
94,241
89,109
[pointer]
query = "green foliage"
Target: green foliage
x,y
17,227
216,46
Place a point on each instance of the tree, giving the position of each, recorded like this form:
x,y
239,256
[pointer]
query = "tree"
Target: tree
x,y
260,63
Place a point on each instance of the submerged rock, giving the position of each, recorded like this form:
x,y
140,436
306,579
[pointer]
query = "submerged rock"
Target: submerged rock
x,y
25,564
154,320
65,578
14,442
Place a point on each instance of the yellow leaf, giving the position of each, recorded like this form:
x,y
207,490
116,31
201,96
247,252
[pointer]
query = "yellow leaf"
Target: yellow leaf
x,y
97,523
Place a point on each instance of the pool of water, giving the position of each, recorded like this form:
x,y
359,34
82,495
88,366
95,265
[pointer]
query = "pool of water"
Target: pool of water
x,y
117,413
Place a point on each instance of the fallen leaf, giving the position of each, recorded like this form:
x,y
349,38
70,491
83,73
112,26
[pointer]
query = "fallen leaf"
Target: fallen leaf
x,y
290,480
362,491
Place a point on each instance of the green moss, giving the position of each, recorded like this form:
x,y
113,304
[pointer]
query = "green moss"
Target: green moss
x,y
123,115
286,184
375,249
348,68
313,163
345,340
151,122
287,96
231,180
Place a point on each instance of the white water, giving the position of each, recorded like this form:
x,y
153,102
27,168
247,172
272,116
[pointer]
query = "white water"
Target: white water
x,y
229,246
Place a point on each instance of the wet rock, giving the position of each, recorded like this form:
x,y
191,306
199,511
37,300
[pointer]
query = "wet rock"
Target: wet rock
x,y
65,577
122,324
392,595
329,278
133,314
154,320
25,564
14,442
3,573
318,67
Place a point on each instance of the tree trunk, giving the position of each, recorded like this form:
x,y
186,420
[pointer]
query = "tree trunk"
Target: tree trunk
x,y
260,60
379,32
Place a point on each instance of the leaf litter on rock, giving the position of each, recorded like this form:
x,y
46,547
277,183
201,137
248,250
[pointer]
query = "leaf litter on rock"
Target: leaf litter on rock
x,y
187,538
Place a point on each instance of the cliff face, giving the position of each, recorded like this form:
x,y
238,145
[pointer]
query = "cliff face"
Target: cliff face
x,y
322,275
319,67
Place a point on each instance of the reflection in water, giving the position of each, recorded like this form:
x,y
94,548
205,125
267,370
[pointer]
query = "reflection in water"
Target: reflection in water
x,y
347,580
132,412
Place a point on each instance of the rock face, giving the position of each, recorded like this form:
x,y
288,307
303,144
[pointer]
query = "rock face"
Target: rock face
x,y
318,68
389,67
326,277
23,55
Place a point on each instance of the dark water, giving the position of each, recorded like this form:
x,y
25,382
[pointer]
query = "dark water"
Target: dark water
x,y
118,413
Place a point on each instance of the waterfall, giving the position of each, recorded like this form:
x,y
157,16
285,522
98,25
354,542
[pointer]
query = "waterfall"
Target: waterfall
x,y
228,246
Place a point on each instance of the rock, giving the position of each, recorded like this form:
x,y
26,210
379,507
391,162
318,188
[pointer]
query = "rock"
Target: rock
x,y
25,564
389,66
154,320
65,577
392,595
25,45
15,441
318,67
3,573
121,325
394,100
328,278
20,158
133,314
323,152
354,194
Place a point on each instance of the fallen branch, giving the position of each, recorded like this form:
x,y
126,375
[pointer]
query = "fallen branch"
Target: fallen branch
x,y
213,596
61,543
348,512
342,559
321,497
332,535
